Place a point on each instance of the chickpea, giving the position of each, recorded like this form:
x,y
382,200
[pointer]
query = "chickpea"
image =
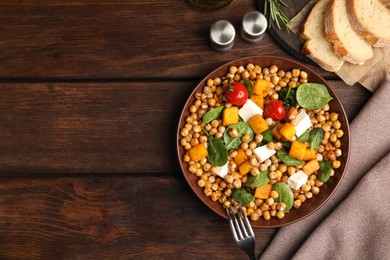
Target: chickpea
x,y
245,74
246,138
280,214
339,133
255,216
297,204
274,194
273,69
232,153
290,170
207,192
267,215
336,124
301,198
244,146
315,189
258,138
250,67
215,123
336,164
227,204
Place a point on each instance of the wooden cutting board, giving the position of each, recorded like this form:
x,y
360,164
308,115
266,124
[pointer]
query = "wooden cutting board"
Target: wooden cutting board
x,y
288,41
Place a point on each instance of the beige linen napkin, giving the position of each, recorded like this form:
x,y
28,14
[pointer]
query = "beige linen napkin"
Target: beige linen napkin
x,y
355,222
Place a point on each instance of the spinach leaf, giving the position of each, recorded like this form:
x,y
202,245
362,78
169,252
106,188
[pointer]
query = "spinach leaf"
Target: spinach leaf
x,y
315,138
212,114
218,154
235,142
259,180
288,160
285,194
242,196
288,96
304,137
267,136
324,171
249,86
313,95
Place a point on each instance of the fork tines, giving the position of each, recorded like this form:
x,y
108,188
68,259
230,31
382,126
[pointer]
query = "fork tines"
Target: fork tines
x,y
237,218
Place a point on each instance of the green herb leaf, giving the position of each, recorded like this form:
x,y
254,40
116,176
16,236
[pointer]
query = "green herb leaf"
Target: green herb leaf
x,y
212,114
315,138
242,196
242,129
249,86
217,152
273,12
304,137
288,96
285,194
288,160
325,170
259,180
313,95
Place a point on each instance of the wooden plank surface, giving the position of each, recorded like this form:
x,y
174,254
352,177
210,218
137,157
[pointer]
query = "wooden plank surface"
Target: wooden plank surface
x,y
72,128
111,218
120,39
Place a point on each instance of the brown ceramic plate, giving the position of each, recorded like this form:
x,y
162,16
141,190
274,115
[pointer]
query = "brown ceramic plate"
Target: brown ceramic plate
x,y
326,191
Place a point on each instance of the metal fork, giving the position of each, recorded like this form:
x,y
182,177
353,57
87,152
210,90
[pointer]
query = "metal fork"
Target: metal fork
x,y
243,233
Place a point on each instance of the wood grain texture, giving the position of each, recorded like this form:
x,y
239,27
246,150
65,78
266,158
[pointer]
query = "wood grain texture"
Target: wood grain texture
x,y
120,39
101,128
112,218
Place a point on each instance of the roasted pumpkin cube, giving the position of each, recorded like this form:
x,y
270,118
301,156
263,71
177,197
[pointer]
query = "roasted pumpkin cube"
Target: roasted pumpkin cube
x,y
230,116
311,166
259,100
241,157
298,150
262,87
263,192
258,124
309,154
245,168
275,131
291,112
287,131
198,152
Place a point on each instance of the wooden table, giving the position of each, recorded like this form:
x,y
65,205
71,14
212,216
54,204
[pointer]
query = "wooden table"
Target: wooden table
x,y
90,97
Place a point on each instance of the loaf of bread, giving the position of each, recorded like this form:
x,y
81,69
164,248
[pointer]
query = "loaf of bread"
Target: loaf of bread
x,y
316,46
371,20
348,45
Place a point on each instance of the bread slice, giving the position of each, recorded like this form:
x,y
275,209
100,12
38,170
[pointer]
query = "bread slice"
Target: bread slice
x,y
348,45
316,47
371,20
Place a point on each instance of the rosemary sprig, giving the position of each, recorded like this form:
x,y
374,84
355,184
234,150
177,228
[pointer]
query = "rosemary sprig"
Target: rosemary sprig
x,y
273,11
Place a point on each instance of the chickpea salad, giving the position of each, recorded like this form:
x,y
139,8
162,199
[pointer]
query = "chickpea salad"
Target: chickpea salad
x,y
262,137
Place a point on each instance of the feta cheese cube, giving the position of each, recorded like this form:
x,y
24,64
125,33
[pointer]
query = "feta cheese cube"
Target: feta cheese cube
x,y
304,123
249,110
263,153
222,171
296,180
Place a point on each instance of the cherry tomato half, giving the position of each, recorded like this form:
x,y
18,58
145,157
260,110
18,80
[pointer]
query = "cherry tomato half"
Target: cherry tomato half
x,y
236,93
275,110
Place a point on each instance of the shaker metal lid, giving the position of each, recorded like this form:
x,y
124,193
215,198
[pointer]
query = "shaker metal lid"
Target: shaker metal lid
x,y
222,35
254,24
